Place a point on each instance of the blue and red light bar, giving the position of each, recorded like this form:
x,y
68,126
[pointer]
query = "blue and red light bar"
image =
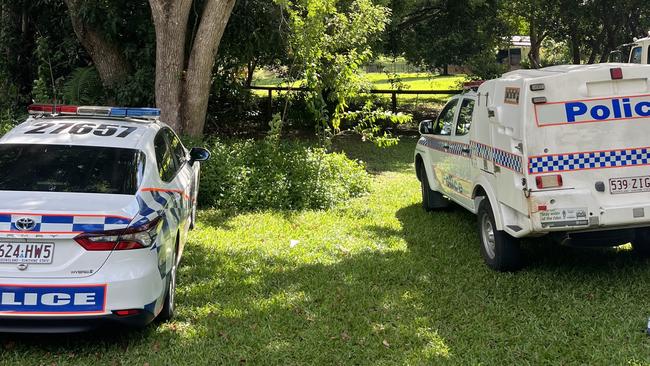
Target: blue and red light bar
x,y
50,109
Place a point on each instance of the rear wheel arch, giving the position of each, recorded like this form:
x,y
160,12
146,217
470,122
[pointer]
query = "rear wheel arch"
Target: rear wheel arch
x,y
482,191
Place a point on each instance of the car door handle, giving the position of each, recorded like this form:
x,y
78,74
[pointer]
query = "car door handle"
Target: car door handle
x,y
445,146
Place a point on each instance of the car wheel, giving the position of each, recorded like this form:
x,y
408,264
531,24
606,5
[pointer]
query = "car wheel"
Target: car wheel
x,y
431,200
169,307
641,244
500,251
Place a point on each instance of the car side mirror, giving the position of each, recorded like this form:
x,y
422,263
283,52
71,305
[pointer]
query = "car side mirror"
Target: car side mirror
x,y
199,154
426,127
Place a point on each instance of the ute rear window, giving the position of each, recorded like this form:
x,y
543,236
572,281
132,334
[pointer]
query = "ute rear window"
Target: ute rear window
x,y
64,168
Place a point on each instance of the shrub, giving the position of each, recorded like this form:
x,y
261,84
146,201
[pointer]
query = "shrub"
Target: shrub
x,y
251,175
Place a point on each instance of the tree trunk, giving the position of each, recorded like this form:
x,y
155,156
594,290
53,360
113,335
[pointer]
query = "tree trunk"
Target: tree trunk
x,y
250,69
575,46
199,70
170,20
595,46
108,58
535,44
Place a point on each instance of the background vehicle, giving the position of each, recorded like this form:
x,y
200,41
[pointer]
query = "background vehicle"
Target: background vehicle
x,y
95,206
560,151
636,52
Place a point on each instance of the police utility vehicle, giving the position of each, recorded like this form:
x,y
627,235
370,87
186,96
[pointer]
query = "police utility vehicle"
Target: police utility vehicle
x,y
95,207
561,151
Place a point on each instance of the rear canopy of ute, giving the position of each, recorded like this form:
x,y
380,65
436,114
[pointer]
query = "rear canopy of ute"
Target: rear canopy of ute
x,y
587,127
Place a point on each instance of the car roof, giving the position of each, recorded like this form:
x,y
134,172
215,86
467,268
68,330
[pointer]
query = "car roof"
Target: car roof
x,y
142,132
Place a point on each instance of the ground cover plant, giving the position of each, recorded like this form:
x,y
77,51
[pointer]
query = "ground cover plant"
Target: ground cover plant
x,y
374,281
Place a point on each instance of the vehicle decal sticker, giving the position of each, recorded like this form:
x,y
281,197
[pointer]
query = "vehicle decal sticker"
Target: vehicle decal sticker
x,y
587,160
155,202
572,112
511,96
454,148
499,157
60,224
52,299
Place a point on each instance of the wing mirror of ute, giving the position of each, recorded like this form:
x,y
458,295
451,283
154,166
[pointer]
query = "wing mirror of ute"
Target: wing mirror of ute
x,y
199,154
426,127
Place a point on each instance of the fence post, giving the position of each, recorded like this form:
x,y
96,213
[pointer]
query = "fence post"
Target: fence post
x,y
394,100
270,103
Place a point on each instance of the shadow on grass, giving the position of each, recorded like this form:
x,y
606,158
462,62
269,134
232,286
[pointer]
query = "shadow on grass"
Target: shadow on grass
x,y
430,302
398,158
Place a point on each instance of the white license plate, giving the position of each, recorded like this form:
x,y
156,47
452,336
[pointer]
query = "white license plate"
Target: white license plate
x,y
34,253
629,185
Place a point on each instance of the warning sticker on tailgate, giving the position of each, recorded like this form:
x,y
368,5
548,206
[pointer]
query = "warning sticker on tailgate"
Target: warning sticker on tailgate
x,y
560,217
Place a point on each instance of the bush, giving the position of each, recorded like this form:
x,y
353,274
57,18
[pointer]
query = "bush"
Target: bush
x,y
251,175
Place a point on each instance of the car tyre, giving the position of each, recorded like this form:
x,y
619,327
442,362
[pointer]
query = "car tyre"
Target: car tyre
x,y
500,251
169,307
641,244
431,200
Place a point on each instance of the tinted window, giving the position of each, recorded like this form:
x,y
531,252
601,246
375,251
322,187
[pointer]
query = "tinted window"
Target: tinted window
x,y
445,121
62,168
465,117
177,148
635,58
164,158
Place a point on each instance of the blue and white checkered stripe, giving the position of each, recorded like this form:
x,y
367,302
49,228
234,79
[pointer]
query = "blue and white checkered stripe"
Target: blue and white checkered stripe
x,y
589,160
455,148
507,160
64,223
482,151
499,157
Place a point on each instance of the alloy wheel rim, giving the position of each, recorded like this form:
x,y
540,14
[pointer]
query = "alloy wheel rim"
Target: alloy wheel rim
x,y
487,232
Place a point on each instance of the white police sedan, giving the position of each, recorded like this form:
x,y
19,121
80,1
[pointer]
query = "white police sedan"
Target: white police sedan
x,y
95,207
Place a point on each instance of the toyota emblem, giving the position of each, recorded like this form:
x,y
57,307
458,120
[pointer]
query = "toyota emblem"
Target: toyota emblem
x,y
25,224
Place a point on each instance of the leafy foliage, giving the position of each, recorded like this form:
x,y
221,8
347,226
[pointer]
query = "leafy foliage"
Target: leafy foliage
x,y
83,87
440,33
254,175
330,40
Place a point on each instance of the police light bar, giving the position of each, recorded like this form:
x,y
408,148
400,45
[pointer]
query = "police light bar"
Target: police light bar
x,y
473,85
49,109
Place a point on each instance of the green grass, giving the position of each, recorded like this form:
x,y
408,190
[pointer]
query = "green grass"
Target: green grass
x,y
410,81
374,282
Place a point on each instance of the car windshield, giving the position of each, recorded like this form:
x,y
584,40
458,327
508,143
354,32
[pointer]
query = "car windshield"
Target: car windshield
x,y
64,168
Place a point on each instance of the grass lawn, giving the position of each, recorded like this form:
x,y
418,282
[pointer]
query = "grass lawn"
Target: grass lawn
x,y
411,81
376,281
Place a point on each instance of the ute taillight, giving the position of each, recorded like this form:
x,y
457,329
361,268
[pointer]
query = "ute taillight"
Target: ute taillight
x,y
137,237
616,73
548,181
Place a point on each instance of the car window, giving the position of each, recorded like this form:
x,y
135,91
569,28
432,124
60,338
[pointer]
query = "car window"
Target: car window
x,y
445,122
164,157
69,168
465,117
636,55
180,155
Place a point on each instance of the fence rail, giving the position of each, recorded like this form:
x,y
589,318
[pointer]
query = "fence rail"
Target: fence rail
x,y
393,93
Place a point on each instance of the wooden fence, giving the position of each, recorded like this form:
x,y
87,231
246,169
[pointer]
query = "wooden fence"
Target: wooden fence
x,y
393,93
